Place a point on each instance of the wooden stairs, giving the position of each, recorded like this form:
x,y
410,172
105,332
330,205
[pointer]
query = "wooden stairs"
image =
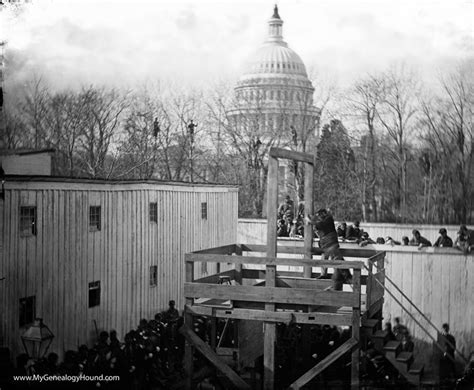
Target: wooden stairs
x,y
403,362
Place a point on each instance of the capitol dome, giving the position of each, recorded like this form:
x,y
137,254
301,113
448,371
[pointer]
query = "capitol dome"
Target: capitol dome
x,y
274,93
274,60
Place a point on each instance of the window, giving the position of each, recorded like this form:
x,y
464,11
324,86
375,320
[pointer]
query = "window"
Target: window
x,y
204,210
94,218
153,275
27,310
28,221
94,294
154,212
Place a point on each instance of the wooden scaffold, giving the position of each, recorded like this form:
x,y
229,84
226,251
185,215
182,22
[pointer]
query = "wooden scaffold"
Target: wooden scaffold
x,y
271,284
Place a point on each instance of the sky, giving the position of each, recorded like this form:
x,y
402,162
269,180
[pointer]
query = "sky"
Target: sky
x,y
124,43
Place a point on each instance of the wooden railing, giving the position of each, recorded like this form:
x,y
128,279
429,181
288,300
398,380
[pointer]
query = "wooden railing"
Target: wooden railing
x,y
290,291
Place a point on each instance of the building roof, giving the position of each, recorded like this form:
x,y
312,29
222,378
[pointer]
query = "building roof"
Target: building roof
x,y
81,180
24,151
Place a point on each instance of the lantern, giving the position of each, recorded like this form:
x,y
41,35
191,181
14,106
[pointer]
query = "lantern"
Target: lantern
x,y
37,339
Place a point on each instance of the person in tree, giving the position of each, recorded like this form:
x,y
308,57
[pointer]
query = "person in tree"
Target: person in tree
x,y
324,224
443,241
418,240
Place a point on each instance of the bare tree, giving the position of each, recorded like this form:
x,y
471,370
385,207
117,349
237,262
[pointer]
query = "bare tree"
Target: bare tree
x,y
102,115
363,102
448,158
397,117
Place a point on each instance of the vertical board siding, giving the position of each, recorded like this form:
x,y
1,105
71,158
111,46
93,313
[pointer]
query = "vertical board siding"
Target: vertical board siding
x,y
441,285
58,263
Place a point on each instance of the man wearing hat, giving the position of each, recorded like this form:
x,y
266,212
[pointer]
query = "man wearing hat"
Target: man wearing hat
x,y
418,240
443,241
324,224
465,240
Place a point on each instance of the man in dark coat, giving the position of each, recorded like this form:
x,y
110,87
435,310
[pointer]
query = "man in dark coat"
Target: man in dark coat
x,y
326,230
443,241
447,366
418,240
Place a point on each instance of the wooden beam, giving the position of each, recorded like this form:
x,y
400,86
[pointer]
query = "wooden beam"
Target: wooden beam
x,y
308,209
377,257
355,330
272,261
298,248
270,295
269,340
277,316
210,355
323,364
219,250
291,155
214,279
296,282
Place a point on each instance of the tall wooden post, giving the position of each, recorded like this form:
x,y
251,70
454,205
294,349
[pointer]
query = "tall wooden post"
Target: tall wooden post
x,y
356,330
188,321
308,209
270,274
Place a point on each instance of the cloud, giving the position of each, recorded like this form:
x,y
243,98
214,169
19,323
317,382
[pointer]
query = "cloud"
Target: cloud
x,y
128,43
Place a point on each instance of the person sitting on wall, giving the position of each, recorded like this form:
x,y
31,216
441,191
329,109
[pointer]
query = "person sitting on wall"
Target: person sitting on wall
x,y
390,241
365,239
287,209
443,241
324,224
418,240
354,231
282,230
341,230
405,241
465,240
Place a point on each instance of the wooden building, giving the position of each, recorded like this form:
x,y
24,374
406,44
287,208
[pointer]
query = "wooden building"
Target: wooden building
x,y
84,253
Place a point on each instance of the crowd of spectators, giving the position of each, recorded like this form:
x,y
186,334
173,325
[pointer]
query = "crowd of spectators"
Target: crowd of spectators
x,y
149,357
291,224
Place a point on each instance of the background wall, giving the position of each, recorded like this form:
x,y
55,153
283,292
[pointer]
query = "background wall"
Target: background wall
x,y
440,281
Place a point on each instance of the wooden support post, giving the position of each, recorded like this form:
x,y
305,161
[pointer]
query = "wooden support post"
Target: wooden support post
x,y
238,267
356,330
370,282
270,275
308,209
188,321
213,333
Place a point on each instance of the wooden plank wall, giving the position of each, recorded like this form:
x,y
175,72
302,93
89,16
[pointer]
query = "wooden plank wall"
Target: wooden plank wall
x,y
58,263
441,285
439,281
253,231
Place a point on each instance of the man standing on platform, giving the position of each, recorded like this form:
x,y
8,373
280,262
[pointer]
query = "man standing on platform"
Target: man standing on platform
x,y
324,224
